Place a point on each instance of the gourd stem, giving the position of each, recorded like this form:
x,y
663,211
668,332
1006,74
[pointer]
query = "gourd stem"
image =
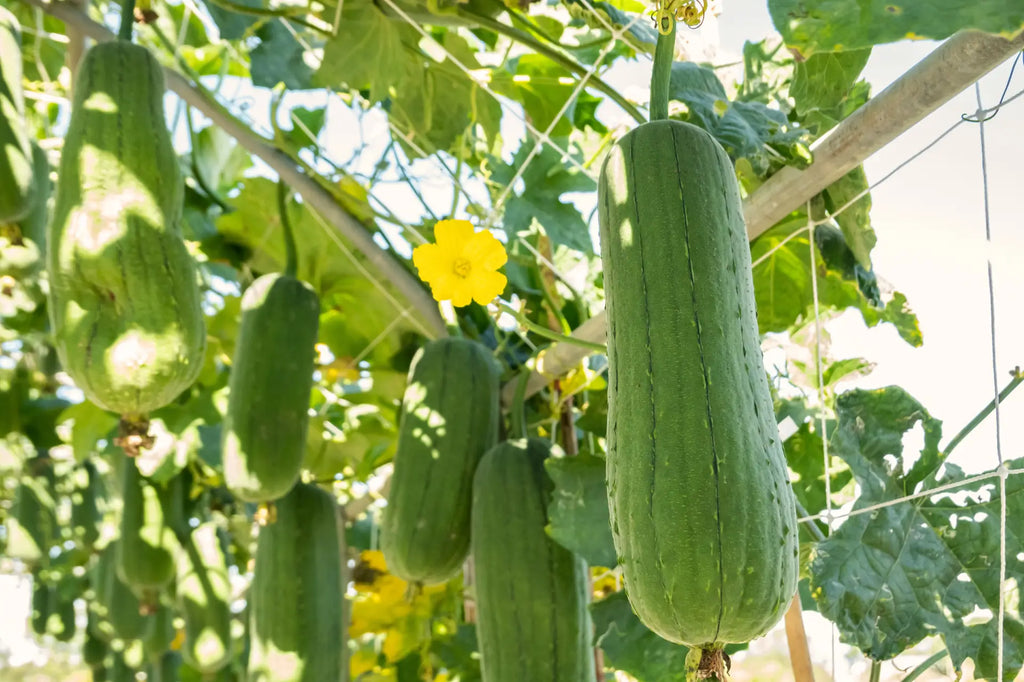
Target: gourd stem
x,y
291,258
127,20
661,74
925,664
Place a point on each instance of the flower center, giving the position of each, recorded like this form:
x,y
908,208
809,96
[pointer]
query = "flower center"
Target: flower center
x,y
462,267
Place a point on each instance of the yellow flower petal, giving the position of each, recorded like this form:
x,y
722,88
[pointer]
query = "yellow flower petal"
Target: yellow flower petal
x,y
486,285
485,251
430,260
444,286
463,292
453,234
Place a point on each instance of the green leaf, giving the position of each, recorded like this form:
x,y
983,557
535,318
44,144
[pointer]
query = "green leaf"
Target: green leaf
x,y
279,58
232,25
546,178
89,425
824,81
578,511
783,288
804,456
854,221
306,126
641,34
893,576
370,52
445,102
629,646
543,88
745,129
812,26
220,159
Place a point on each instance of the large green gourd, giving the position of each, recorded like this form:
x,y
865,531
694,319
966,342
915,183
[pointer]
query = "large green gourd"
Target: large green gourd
x,y
148,548
204,597
117,609
449,419
31,524
298,591
17,180
124,300
264,434
22,243
702,512
531,593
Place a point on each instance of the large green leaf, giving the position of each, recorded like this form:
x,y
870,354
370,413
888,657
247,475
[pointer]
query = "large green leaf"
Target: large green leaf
x,y
279,58
369,52
823,80
748,130
783,286
444,102
811,26
629,646
578,511
893,576
854,221
546,178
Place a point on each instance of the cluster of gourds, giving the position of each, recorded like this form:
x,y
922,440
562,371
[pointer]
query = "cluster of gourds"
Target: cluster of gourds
x,y
702,514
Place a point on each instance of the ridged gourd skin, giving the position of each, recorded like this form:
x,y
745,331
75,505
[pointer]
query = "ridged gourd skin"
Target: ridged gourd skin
x,y
118,611
148,549
297,596
702,511
86,517
531,593
449,419
264,432
17,180
22,244
204,595
31,524
124,298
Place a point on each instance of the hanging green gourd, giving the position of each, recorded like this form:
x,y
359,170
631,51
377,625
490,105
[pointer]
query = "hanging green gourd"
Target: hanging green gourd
x,y
702,512
124,297
264,433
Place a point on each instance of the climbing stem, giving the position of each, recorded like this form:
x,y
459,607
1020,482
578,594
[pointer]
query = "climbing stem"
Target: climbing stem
x,y
925,665
661,74
543,331
127,20
1018,378
291,258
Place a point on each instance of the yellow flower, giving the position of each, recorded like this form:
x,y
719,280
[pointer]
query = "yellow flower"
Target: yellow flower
x,y
462,266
